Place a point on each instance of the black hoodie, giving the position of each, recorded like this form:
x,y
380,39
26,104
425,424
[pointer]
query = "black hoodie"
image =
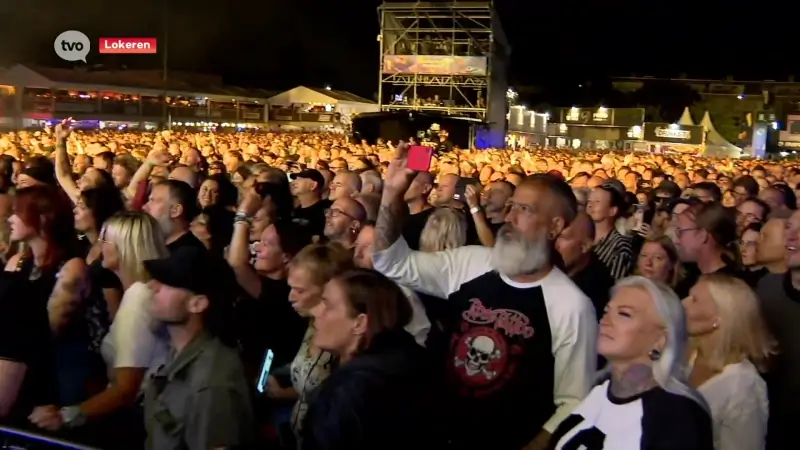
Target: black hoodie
x,y
382,399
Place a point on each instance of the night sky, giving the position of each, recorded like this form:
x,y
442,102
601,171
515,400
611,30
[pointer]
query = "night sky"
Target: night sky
x,y
278,44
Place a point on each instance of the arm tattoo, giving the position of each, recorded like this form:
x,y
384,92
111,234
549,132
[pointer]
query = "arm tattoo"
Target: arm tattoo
x,y
389,225
64,300
635,380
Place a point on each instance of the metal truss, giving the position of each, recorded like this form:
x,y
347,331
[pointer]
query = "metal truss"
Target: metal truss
x,y
459,29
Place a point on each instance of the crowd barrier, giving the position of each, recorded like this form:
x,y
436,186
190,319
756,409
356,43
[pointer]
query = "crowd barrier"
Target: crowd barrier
x,y
15,439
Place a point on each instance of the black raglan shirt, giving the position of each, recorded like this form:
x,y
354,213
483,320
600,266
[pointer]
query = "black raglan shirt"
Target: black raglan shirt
x,y
653,420
511,346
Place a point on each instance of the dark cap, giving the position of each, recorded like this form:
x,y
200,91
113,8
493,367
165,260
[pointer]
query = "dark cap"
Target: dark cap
x,y
194,269
615,185
311,174
670,188
41,173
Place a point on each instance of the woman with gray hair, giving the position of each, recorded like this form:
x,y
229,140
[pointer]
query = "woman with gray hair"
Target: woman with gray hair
x,y
644,400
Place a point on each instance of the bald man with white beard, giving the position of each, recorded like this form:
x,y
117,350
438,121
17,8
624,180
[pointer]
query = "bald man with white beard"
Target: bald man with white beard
x,y
520,331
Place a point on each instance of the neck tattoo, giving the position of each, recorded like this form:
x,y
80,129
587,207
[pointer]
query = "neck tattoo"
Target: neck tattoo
x,y
635,380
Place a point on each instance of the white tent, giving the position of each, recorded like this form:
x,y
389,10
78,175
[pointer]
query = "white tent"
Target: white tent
x,y
716,145
686,118
343,102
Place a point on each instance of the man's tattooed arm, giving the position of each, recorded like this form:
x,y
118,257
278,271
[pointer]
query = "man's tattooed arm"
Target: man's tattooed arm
x,y
635,380
389,225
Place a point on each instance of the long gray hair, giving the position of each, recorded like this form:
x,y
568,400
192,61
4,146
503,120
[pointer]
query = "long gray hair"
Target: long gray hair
x,y
670,370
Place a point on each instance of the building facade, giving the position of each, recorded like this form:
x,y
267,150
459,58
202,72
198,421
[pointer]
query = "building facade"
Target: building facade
x,y
33,96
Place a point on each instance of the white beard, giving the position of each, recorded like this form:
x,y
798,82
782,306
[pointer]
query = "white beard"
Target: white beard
x,y
513,255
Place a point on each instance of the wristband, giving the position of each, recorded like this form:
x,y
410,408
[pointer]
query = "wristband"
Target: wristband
x,y
72,416
241,217
475,210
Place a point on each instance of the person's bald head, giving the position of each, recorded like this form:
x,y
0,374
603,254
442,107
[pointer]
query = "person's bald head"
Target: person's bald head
x,y
576,240
185,174
351,207
446,189
343,220
344,184
594,182
420,188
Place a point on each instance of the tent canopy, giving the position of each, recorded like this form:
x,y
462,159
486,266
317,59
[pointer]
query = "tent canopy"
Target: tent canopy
x,y
686,118
716,145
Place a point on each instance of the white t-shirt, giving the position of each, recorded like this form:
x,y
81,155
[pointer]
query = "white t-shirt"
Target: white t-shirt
x,y
132,341
737,398
420,325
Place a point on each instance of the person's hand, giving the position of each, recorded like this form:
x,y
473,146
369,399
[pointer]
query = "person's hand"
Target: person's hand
x,y
398,175
472,196
274,389
643,230
63,130
158,157
47,417
250,204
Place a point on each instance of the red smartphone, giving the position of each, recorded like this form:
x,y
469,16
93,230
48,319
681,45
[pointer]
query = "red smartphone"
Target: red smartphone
x,y
419,158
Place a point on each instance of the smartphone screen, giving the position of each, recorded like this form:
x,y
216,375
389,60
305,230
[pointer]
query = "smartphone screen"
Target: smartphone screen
x,y
419,158
264,375
461,187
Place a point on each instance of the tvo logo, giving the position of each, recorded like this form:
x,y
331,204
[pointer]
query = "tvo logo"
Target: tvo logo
x,y
72,45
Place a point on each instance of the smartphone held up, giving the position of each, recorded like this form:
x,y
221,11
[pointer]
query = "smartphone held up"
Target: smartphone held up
x,y
420,158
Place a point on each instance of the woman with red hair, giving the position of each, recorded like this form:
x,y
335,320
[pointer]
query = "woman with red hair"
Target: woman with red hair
x,y
43,337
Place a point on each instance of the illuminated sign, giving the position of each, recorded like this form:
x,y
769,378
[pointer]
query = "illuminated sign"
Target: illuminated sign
x,y
673,133
669,133
573,115
601,115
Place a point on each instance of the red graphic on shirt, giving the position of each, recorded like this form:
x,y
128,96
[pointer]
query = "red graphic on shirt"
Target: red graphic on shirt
x,y
512,323
485,352
481,355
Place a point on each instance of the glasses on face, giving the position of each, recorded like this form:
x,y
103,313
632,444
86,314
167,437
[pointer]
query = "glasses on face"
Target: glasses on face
x,y
748,244
334,213
680,231
740,193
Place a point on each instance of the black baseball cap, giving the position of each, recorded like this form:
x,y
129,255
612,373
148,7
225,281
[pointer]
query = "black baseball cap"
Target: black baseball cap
x,y
195,269
311,174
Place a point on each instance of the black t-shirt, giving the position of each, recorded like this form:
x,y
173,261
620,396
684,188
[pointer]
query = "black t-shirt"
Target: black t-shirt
x,y
25,338
269,322
412,228
692,274
188,239
313,216
596,282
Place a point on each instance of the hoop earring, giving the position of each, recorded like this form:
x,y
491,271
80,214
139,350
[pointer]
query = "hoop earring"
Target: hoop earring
x,y
654,355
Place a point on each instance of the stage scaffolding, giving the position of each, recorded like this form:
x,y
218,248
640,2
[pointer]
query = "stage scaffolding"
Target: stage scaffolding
x,y
448,57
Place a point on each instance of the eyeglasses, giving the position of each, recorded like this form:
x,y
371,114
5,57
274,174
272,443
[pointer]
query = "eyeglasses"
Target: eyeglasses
x,y
334,213
680,231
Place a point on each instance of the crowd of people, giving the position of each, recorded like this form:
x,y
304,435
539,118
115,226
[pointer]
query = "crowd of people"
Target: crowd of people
x,y
181,290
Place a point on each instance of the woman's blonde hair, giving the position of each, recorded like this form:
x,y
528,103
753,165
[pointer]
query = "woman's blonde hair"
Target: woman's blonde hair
x,y
323,261
676,273
138,238
743,333
445,229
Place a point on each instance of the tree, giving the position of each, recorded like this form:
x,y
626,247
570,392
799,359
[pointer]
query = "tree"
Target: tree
x,y
664,100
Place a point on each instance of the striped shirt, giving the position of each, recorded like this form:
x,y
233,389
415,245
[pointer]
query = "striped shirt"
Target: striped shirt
x,y
616,252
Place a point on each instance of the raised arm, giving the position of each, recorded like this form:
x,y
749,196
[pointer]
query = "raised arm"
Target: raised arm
x,y
239,250
63,166
437,274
